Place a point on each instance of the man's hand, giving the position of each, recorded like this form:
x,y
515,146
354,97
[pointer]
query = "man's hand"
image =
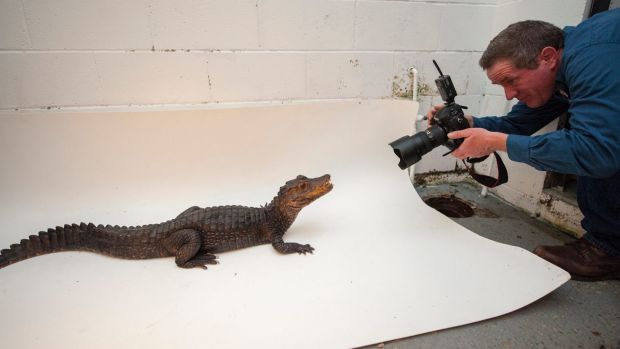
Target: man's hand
x,y
478,142
431,114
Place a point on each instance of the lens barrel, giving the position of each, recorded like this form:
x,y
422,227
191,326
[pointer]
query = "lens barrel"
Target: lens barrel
x,y
410,149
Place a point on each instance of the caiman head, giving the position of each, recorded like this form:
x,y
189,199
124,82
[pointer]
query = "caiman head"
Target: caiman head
x,y
292,197
301,191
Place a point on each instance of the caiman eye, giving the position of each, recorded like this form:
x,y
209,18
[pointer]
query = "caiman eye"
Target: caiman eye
x,y
303,186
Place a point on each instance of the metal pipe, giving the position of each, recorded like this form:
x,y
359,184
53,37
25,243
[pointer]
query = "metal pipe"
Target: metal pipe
x,y
484,191
414,84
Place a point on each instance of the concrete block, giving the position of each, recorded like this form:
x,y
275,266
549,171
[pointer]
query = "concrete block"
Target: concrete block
x,y
306,25
558,12
337,75
492,89
198,24
425,106
461,66
494,106
472,102
523,178
465,27
396,25
13,31
250,76
37,79
75,24
152,78
12,86
421,61
477,80
562,214
525,201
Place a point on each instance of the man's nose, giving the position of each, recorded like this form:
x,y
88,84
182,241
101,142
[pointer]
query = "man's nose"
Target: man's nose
x,y
510,93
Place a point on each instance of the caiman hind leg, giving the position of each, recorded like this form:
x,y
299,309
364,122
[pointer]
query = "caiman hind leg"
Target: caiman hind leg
x,y
291,247
185,245
189,211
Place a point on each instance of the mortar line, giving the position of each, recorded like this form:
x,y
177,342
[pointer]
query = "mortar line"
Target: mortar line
x,y
197,105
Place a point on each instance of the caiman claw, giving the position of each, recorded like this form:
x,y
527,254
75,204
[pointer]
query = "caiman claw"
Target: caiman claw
x,y
303,249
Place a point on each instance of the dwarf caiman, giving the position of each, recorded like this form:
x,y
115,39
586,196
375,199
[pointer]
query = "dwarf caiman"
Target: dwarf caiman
x,y
192,237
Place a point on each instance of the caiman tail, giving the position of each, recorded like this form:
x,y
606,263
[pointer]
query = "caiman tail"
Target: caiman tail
x,y
122,242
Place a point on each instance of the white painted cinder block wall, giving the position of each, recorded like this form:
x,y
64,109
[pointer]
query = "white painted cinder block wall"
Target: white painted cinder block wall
x,y
71,53
75,53
68,53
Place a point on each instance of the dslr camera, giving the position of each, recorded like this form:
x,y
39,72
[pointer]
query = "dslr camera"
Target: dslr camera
x,y
410,149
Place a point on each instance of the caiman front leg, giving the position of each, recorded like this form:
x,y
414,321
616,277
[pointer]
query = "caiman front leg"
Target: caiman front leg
x,y
291,247
185,245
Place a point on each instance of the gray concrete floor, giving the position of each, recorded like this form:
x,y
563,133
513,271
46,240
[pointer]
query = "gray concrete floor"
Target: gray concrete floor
x,y
576,315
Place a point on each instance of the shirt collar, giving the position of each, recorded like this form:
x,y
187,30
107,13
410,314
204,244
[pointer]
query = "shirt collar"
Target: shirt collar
x,y
561,88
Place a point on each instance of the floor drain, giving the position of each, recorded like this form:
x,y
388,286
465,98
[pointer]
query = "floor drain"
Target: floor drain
x,y
450,206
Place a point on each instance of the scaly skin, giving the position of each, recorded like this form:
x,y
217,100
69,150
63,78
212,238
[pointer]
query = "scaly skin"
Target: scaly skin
x,y
192,237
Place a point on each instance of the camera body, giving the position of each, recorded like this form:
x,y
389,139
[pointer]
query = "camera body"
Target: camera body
x,y
450,118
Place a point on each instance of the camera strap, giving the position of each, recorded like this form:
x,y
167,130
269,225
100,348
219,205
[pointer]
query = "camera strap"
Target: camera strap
x,y
488,181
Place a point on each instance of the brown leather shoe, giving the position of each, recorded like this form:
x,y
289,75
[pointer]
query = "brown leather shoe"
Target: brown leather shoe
x,y
582,260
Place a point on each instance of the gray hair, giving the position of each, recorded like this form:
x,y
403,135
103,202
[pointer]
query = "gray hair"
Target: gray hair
x,y
521,43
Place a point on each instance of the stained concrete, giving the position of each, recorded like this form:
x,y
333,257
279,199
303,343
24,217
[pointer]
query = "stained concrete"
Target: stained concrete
x,y
576,315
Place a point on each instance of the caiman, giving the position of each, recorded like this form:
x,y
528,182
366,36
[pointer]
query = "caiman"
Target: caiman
x,y
192,237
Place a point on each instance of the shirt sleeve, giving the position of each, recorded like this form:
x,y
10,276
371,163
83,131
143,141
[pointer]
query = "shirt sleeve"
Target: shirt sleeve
x,y
522,120
591,147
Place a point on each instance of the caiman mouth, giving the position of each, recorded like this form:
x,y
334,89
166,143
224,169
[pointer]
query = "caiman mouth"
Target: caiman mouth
x,y
325,185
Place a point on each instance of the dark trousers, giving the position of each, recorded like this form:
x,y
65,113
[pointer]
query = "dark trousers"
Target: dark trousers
x,y
599,201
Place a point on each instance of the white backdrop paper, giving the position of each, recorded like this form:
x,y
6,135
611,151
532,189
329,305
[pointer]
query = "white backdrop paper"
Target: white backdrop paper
x,y
386,266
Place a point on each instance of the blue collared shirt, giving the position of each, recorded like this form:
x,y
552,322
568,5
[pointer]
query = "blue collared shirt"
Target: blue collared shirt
x,y
590,75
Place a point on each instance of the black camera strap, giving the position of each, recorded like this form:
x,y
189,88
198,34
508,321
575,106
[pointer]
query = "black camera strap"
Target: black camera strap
x,y
488,181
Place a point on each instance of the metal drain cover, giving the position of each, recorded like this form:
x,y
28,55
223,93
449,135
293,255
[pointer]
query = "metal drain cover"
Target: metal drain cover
x,y
450,206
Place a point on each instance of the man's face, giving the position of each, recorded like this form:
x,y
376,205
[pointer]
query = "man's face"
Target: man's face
x,y
534,87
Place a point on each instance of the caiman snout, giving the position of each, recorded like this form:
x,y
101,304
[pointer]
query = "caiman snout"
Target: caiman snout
x,y
327,183
320,186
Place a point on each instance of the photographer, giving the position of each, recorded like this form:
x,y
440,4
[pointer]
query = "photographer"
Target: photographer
x,y
551,71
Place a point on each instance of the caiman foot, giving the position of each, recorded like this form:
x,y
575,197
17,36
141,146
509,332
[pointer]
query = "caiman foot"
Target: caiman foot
x,y
200,260
303,249
292,247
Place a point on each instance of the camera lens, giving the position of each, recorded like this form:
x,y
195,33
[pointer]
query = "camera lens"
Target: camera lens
x,y
410,149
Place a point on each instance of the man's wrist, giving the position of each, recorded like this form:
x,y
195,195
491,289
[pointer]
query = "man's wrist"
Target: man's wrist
x,y
499,141
470,120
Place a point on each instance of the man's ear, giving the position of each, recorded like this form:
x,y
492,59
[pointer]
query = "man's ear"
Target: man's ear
x,y
550,56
